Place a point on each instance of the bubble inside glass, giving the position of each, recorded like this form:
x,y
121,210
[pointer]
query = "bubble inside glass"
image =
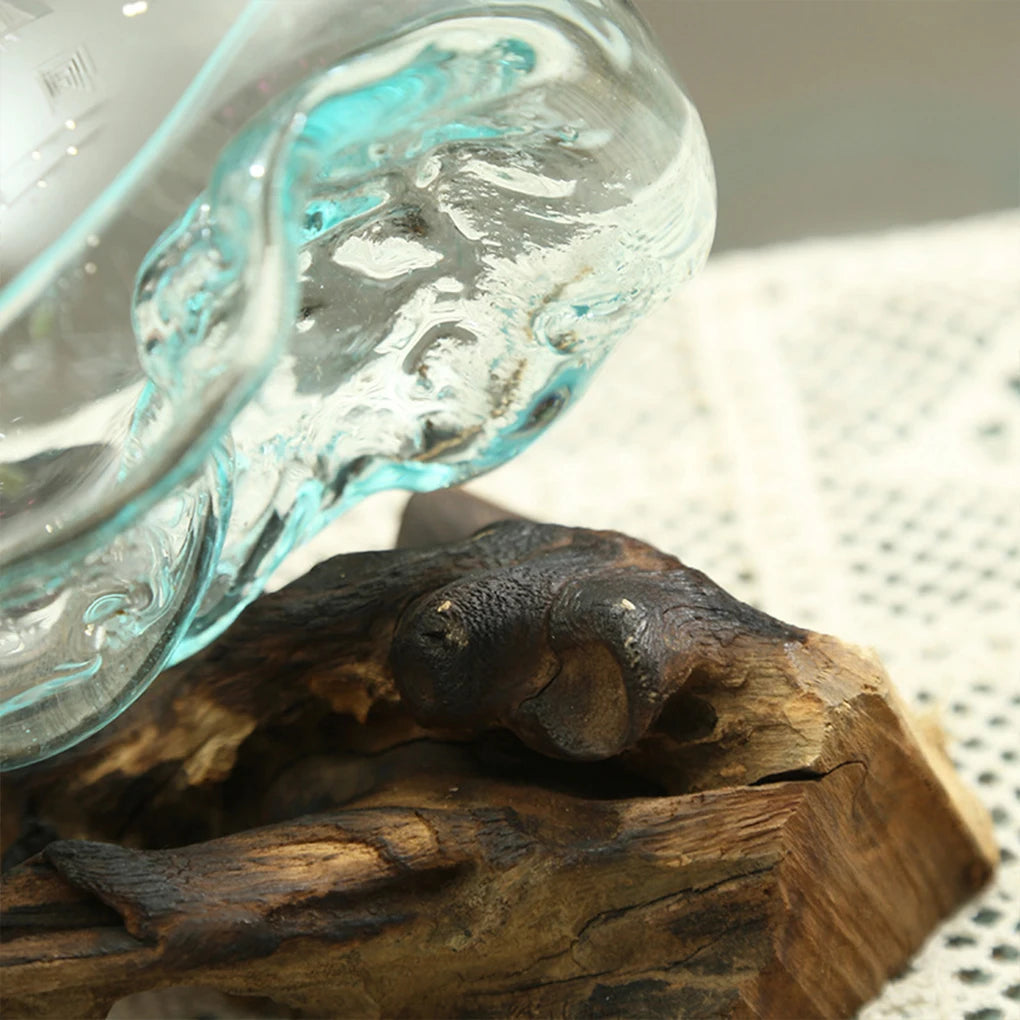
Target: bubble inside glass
x,y
368,246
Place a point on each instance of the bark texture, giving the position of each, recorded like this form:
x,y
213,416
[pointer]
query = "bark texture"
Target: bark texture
x,y
539,771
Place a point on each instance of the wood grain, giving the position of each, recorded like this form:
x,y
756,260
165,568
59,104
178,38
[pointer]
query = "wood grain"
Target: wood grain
x,y
539,771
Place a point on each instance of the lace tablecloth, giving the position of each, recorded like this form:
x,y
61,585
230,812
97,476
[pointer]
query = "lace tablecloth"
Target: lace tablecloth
x,y
831,430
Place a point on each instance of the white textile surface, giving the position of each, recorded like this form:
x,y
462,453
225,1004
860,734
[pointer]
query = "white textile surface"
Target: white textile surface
x,y
831,430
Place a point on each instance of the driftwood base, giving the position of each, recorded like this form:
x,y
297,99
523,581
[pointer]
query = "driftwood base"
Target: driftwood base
x,y
777,843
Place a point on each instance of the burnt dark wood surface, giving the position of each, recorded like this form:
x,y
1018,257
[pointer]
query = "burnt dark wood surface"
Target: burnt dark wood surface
x,y
539,770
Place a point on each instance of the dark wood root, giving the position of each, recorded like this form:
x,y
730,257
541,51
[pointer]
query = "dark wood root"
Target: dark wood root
x,y
573,640
414,734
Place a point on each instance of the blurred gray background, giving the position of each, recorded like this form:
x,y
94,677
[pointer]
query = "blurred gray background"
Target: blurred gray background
x,y
831,116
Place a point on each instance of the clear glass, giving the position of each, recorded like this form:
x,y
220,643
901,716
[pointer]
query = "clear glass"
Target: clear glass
x,y
319,248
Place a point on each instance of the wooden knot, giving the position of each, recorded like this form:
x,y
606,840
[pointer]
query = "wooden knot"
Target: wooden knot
x,y
575,648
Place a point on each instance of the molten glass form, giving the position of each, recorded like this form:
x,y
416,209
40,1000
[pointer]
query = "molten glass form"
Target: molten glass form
x,y
400,241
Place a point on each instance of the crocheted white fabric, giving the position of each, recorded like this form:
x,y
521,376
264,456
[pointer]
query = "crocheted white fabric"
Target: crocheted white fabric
x,y
831,430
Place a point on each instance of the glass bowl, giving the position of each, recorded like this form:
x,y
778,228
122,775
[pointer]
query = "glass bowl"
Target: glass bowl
x,y
266,259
